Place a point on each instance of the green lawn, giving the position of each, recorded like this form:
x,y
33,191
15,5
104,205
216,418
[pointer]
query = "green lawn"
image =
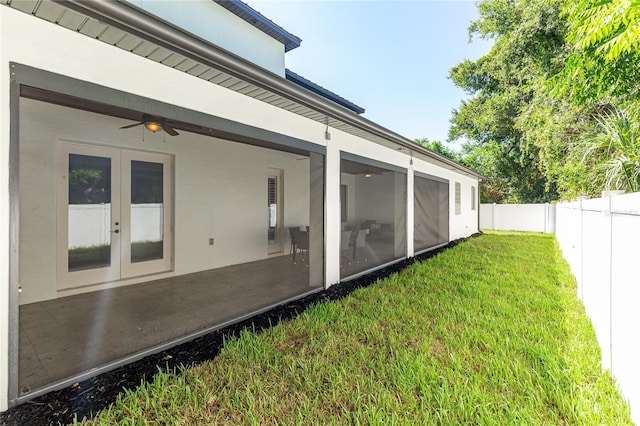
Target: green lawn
x,y
486,333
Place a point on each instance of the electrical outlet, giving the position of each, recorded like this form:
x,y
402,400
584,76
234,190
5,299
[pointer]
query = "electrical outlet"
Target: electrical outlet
x,y
210,241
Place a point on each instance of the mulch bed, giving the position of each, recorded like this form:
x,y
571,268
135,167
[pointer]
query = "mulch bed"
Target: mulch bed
x,y
86,398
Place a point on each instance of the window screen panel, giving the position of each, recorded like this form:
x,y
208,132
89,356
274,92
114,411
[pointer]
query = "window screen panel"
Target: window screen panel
x,y
220,219
431,213
375,199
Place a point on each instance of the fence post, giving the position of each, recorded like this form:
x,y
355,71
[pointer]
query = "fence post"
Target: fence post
x,y
610,213
581,241
582,231
493,216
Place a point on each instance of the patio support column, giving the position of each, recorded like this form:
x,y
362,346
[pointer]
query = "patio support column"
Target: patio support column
x,y
4,247
5,220
443,202
332,216
400,221
410,214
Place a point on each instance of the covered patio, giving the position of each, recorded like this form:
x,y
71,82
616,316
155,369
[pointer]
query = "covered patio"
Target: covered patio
x,y
156,237
115,325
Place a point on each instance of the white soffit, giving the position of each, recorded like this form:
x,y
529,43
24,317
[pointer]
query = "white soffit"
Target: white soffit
x,y
60,15
56,12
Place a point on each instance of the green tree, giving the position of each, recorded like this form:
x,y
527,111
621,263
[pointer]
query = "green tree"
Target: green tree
x,y
603,37
529,47
611,27
554,104
484,159
599,85
439,147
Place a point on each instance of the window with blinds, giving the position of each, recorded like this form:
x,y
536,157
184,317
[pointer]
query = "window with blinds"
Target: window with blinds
x,y
458,199
473,198
272,205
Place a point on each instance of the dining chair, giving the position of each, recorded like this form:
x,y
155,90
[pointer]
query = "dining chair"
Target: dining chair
x,y
360,249
301,244
346,248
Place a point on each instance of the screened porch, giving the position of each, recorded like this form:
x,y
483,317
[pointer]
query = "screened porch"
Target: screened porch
x,y
132,240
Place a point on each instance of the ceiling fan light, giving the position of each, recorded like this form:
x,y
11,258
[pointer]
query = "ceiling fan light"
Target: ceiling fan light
x,y
153,126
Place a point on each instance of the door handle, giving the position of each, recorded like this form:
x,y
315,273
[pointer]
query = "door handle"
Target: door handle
x,y
117,231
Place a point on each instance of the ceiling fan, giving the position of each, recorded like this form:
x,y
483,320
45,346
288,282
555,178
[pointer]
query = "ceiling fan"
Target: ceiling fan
x,y
153,124
368,173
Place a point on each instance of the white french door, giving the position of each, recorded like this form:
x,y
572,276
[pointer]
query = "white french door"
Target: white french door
x,y
114,214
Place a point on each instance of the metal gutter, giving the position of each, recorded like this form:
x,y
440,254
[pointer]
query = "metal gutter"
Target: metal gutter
x,y
131,18
310,85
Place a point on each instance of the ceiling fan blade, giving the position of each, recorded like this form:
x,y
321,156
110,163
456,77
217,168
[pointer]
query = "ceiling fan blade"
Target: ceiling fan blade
x,y
131,125
169,129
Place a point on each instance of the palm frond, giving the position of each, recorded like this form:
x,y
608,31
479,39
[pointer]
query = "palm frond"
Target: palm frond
x,y
614,147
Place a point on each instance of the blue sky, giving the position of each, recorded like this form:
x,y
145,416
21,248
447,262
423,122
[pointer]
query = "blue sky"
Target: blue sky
x,y
390,57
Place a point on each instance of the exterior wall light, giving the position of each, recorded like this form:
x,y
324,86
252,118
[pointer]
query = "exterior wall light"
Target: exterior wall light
x,y
367,174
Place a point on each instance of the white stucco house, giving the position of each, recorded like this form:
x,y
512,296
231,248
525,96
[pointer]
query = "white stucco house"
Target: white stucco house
x,y
163,175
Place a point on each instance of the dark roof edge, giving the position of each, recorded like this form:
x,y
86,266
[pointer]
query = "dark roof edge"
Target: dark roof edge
x,y
308,84
261,22
135,20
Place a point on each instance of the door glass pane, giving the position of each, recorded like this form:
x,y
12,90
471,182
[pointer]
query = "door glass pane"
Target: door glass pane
x,y
147,211
89,212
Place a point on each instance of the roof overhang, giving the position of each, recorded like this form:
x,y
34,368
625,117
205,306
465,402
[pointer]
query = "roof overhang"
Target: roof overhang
x,y
310,85
258,20
127,26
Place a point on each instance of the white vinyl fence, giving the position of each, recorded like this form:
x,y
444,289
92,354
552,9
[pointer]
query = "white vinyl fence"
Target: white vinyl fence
x,y
146,224
599,239
518,217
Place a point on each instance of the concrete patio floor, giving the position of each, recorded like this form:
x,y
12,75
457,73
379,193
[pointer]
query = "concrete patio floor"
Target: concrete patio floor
x,y
63,337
